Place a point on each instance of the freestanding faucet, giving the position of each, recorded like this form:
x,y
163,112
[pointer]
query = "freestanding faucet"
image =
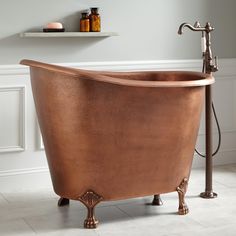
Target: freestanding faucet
x,y
208,67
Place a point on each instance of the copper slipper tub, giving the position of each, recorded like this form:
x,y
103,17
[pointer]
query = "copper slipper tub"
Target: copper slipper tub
x,y
117,135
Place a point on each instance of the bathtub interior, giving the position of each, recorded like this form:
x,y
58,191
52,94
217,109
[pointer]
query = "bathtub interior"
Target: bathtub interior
x,y
155,75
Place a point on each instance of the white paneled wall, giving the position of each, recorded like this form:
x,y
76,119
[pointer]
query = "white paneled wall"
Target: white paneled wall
x,y
22,158
12,119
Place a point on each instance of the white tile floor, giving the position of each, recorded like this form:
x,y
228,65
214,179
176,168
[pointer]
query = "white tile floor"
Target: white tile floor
x,y
36,212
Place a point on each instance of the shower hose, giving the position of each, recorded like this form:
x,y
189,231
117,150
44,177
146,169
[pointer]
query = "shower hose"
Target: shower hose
x,y
217,124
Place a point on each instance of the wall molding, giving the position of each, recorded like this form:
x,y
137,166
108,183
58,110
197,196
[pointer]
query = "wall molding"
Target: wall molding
x,y
113,65
22,116
226,66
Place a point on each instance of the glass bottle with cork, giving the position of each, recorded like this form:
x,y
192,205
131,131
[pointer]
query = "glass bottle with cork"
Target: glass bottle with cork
x,y
85,22
95,20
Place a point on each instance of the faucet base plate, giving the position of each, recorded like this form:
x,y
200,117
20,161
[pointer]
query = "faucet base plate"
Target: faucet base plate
x,y
208,195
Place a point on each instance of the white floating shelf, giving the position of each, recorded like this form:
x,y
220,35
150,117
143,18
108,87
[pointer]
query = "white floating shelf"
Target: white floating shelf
x,y
66,34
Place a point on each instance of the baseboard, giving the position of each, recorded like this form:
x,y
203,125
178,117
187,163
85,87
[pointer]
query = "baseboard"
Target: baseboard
x,y
223,157
20,180
23,171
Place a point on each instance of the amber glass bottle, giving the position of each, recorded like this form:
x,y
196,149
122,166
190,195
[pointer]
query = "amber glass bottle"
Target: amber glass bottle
x,y
95,20
85,22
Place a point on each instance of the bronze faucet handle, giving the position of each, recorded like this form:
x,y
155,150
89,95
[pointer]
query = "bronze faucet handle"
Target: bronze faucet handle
x,y
197,24
208,27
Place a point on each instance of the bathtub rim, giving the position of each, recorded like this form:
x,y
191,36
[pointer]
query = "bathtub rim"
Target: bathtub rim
x,y
206,79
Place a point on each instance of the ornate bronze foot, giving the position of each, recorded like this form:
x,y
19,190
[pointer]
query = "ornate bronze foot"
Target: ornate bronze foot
x,y
182,189
90,199
157,200
63,202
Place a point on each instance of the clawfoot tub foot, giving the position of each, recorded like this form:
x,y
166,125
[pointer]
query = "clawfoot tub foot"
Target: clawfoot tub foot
x,y
157,200
63,202
182,189
90,199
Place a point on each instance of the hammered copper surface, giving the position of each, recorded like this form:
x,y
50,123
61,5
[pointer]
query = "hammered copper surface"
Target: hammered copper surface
x,y
120,134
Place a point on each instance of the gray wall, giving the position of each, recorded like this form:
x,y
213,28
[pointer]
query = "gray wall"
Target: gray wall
x,y
147,28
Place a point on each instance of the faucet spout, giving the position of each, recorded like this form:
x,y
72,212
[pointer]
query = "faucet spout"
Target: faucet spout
x,y
196,27
182,26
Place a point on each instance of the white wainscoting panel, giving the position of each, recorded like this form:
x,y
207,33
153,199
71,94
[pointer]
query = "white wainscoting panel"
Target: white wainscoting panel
x,y
12,119
24,168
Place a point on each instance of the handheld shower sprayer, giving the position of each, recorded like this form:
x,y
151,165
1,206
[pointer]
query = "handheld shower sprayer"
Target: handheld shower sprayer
x,y
203,44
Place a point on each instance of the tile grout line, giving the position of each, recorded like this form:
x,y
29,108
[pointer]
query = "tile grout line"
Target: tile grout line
x,y
2,195
29,225
117,206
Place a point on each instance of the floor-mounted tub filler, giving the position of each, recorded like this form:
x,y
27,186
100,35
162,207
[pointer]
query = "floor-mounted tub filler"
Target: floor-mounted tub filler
x,y
208,67
117,135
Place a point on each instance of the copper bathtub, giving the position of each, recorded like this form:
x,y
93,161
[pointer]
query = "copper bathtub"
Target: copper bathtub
x,y
117,135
